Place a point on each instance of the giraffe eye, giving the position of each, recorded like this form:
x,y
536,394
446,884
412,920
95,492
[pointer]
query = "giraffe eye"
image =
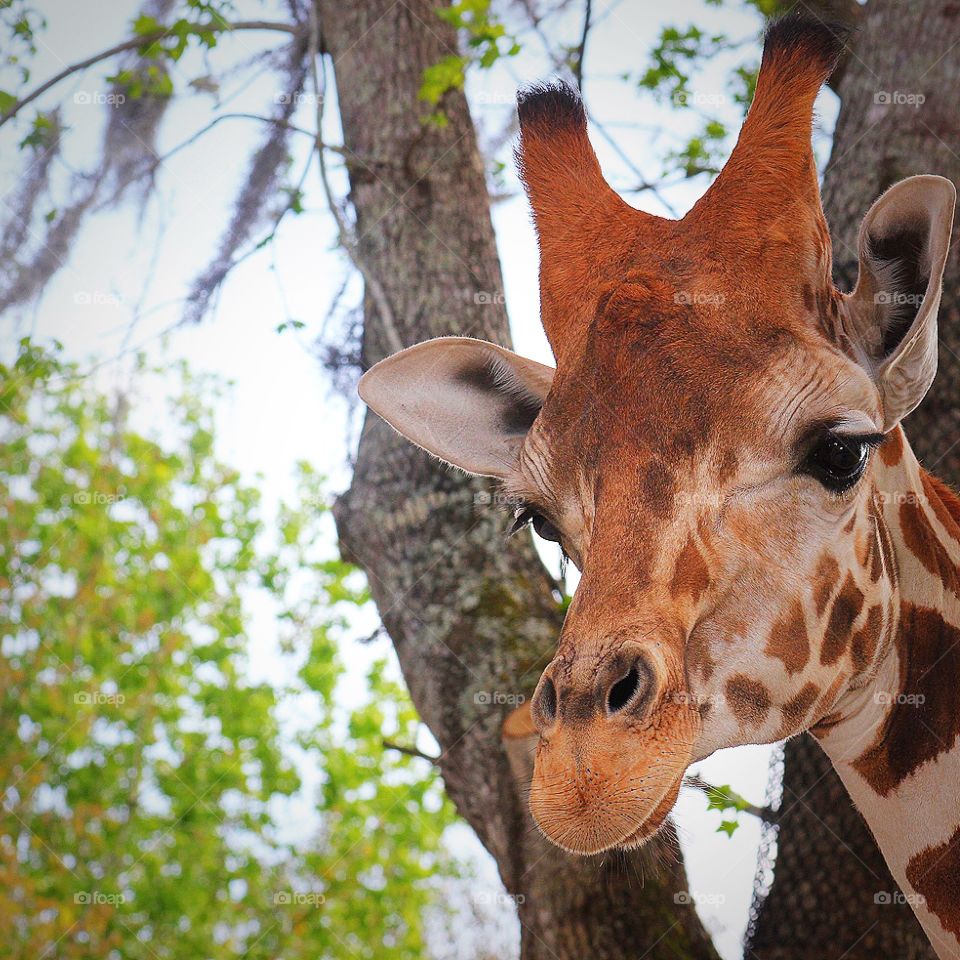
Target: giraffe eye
x,y
838,460
543,527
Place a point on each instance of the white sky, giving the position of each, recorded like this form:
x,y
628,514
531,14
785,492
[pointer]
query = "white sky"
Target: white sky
x,y
282,408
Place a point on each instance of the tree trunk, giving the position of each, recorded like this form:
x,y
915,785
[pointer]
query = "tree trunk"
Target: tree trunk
x,y
823,890
474,618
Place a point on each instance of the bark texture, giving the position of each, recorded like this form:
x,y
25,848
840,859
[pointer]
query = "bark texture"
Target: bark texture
x,y
474,618
828,867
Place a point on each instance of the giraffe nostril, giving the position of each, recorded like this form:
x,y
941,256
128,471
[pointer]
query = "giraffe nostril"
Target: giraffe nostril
x,y
546,701
622,692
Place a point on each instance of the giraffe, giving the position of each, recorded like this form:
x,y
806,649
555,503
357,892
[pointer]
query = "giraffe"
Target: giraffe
x,y
719,451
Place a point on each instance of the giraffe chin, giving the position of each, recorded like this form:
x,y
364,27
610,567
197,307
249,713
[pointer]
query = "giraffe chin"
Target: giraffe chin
x,y
654,823
589,795
588,838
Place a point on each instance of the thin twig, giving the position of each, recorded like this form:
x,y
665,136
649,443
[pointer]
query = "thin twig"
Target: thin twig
x,y
411,752
764,813
135,43
373,285
582,49
194,137
643,183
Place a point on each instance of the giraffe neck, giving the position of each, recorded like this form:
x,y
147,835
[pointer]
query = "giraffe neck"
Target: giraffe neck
x,y
895,741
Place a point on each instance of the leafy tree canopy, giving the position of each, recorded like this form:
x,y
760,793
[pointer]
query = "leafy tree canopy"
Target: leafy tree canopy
x,y
146,775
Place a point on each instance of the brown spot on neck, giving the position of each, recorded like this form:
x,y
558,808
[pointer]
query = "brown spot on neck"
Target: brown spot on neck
x,y
935,874
891,450
923,721
945,503
825,703
846,609
690,574
824,580
749,700
922,541
863,646
876,560
795,710
789,641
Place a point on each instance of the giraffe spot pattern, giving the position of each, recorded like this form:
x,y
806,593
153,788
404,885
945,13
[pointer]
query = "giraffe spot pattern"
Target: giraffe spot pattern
x,y
828,699
922,541
927,722
864,643
891,450
935,874
795,710
698,656
846,609
749,700
690,574
945,503
824,580
876,561
824,726
789,641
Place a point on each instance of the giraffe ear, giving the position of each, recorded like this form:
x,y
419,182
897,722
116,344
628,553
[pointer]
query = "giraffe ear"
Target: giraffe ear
x,y
466,401
891,316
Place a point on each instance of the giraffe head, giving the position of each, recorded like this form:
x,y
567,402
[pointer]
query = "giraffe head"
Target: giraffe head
x,y
704,450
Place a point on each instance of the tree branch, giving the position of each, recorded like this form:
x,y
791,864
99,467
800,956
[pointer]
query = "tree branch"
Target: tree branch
x,y
763,813
141,41
411,752
582,48
370,279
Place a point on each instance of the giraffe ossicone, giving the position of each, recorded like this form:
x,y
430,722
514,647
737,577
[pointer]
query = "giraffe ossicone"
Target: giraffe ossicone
x,y
720,452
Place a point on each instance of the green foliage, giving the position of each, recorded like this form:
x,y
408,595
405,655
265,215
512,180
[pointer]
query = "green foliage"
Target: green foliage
x,y
703,153
675,53
725,798
20,21
43,132
486,41
676,57
143,764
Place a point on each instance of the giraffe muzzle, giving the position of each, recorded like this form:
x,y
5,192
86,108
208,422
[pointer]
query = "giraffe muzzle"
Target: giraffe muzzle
x,y
614,745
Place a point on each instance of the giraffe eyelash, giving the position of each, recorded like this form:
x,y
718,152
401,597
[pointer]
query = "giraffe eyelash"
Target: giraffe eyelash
x,y
527,515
